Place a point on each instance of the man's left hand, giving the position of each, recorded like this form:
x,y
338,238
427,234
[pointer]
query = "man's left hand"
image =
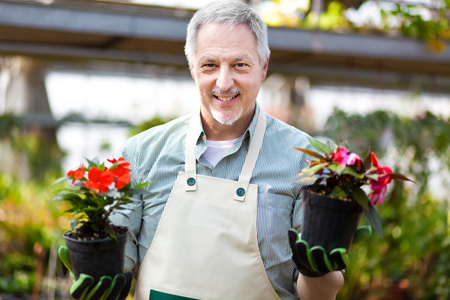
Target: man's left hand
x,y
314,261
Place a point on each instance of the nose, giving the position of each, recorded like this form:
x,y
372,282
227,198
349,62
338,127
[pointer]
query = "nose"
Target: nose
x,y
225,79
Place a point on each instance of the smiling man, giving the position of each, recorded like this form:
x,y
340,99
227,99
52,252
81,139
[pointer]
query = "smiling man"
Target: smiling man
x,y
228,73
215,224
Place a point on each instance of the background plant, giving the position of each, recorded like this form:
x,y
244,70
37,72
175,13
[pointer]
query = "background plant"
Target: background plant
x,y
428,21
412,258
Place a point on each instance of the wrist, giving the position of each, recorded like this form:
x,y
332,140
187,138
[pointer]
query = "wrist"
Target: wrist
x,y
324,287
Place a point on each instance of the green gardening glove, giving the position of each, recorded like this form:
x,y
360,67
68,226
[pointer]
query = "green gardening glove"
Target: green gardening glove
x,y
315,262
84,288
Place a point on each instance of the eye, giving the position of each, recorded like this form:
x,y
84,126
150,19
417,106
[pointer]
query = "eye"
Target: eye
x,y
209,66
241,65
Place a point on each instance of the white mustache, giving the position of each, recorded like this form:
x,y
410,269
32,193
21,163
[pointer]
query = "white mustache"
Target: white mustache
x,y
220,92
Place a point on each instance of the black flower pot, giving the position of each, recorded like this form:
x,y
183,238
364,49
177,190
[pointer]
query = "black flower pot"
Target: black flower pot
x,y
329,222
97,258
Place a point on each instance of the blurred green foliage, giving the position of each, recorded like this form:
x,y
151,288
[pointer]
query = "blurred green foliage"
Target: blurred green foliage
x,y
28,220
30,148
29,225
427,21
412,261
155,121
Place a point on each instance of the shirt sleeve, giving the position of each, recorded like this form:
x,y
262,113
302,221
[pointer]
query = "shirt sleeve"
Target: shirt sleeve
x,y
297,214
130,217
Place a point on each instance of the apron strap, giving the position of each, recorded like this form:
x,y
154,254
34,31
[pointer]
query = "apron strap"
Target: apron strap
x,y
252,157
190,161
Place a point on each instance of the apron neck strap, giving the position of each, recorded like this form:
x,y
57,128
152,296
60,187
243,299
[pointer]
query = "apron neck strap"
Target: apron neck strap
x,y
251,158
247,168
190,160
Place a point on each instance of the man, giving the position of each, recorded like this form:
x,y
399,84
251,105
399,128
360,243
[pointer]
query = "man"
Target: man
x,y
222,200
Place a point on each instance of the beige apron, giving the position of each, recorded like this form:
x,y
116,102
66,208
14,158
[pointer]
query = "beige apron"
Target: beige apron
x,y
206,246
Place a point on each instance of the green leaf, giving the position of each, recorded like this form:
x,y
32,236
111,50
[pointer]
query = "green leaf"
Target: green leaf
x,y
68,196
310,153
332,145
94,162
352,172
339,169
361,197
374,219
367,163
307,179
372,176
119,162
338,192
141,185
400,177
65,178
311,170
318,145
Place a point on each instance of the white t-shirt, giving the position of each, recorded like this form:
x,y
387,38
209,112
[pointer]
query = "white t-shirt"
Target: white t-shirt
x,y
216,150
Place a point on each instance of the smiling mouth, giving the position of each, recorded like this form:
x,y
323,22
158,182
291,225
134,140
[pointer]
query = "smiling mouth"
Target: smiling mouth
x,y
225,99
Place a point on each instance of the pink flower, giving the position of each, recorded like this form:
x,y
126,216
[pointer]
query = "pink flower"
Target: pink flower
x,y
343,157
352,159
379,186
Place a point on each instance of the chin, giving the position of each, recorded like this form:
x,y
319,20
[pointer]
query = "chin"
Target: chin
x,y
226,118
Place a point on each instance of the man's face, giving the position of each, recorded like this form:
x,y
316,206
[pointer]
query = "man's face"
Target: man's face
x,y
228,73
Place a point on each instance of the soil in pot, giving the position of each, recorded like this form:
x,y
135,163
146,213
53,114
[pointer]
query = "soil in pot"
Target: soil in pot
x,y
96,254
85,232
328,221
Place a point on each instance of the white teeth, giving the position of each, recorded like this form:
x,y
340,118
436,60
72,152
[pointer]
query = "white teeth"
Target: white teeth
x,y
225,99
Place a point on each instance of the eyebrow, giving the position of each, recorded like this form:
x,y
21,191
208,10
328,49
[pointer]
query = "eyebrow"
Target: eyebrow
x,y
242,58
207,59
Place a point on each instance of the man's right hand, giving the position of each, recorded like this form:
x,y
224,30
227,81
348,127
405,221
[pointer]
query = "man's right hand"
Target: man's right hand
x,y
84,288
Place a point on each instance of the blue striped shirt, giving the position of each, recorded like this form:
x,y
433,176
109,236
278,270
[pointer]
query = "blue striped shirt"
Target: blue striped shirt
x,y
158,154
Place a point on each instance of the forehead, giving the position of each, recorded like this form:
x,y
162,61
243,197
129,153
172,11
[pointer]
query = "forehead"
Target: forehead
x,y
222,39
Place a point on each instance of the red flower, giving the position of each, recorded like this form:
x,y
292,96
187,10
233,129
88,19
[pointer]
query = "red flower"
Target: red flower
x,y
99,180
121,172
122,181
113,161
380,170
120,169
343,157
77,174
379,186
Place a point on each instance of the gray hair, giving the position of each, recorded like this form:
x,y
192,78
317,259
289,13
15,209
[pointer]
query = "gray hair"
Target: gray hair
x,y
231,12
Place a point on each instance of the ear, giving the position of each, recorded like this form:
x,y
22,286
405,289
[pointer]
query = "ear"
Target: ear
x,y
191,67
264,70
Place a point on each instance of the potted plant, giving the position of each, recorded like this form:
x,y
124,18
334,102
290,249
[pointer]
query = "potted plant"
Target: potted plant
x,y
98,190
343,188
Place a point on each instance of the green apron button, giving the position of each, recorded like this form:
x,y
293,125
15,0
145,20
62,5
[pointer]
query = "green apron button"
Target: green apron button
x,y
240,192
191,181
